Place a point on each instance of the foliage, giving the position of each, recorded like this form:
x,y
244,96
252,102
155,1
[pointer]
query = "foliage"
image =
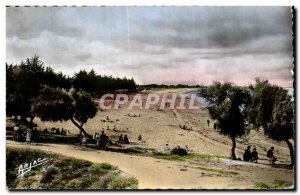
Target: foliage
x,y
264,98
54,104
227,105
95,84
277,184
23,83
190,156
63,173
272,109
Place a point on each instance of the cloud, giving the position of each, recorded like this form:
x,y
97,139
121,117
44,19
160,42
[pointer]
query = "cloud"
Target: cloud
x,y
157,44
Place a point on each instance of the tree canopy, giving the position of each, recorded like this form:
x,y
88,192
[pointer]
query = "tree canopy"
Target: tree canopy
x,y
273,110
227,105
54,104
97,84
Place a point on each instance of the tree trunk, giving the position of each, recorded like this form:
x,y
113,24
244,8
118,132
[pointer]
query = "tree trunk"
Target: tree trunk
x,y
81,129
290,145
233,156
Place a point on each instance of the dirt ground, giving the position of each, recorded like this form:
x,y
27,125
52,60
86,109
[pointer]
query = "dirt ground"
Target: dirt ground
x,y
164,174
160,127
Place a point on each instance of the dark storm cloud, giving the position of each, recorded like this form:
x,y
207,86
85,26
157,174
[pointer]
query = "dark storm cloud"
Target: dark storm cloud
x,y
29,22
212,27
174,44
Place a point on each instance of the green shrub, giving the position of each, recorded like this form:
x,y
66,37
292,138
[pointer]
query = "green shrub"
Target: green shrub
x,y
123,183
49,175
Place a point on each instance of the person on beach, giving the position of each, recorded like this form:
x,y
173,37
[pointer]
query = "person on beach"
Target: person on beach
x,y
35,135
16,133
97,139
140,138
247,154
254,155
103,140
28,135
84,141
166,148
126,140
121,138
270,155
208,123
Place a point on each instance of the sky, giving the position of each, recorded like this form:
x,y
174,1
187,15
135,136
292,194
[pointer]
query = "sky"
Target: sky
x,y
161,45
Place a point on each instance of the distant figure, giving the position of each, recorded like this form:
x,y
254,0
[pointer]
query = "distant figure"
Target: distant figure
x,y
254,155
247,154
208,123
46,131
16,132
114,128
98,139
107,127
271,156
35,135
28,135
121,138
57,132
140,138
166,148
103,140
126,141
215,126
84,141
187,148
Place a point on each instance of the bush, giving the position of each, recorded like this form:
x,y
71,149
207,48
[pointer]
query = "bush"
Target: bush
x,y
123,183
100,169
49,174
179,151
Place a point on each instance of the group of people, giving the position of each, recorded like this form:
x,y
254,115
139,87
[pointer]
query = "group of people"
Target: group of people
x,y
253,156
184,127
101,140
56,131
134,115
124,139
31,134
250,156
108,120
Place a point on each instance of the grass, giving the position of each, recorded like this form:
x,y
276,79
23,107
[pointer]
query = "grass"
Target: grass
x,y
277,184
63,173
169,156
215,170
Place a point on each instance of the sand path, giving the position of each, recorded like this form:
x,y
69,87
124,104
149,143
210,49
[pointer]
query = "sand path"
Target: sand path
x,y
162,174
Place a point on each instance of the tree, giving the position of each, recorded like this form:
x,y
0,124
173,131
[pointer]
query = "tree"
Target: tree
x,y
22,87
273,110
23,82
227,105
54,104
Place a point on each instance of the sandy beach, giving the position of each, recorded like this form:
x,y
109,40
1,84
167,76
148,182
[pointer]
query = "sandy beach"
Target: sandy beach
x,y
158,127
